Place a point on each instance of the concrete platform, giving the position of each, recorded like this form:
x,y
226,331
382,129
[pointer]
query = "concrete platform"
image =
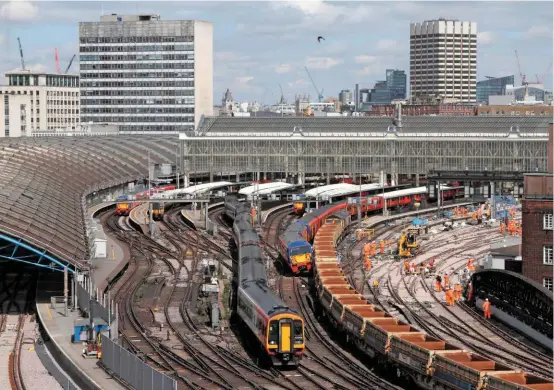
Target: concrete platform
x,y
196,217
59,329
267,213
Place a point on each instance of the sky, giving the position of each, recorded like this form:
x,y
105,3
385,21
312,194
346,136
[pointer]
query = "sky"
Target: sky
x,y
259,45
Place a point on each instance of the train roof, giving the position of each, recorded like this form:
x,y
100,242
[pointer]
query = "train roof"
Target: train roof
x,y
406,192
293,236
341,189
265,188
264,297
342,214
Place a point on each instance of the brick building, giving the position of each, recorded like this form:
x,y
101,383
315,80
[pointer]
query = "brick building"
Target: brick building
x,y
515,110
423,109
537,223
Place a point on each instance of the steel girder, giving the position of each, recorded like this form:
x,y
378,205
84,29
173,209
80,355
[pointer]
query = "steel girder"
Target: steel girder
x,y
17,250
367,156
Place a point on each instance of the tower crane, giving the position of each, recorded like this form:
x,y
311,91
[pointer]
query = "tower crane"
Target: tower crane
x,y
57,60
282,96
521,75
21,54
319,94
543,76
70,63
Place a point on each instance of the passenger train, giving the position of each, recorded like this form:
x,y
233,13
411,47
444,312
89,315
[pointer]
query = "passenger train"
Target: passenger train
x,y
430,362
278,328
294,243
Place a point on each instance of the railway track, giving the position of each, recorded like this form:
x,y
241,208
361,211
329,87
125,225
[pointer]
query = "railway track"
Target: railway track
x,y
450,325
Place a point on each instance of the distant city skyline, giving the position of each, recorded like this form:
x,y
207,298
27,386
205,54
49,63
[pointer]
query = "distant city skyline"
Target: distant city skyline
x,y
258,46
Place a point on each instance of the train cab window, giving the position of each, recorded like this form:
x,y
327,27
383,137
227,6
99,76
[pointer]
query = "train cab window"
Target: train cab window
x,y
273,335
298,331
410,238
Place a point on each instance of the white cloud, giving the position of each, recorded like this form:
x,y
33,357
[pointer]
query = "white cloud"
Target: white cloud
x,y
317,12
365,59
322,62
366,70
539,31
283,68
244,79
486,38
18,11
297,83
388,45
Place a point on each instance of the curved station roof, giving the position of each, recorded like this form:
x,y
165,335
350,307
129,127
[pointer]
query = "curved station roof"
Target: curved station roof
x,y
44,180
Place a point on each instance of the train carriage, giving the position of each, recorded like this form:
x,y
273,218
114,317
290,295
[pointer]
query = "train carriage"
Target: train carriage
x,y
278,328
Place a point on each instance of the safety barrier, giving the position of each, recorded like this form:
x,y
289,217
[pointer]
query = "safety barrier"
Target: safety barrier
x,y
127,367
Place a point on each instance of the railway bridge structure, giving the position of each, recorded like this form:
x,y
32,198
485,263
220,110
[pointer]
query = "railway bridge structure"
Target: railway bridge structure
x,y
48,182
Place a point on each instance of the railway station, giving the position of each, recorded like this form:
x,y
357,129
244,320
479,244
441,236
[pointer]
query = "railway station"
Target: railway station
x,y
395,276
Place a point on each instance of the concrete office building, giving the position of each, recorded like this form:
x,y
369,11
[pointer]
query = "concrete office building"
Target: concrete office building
x,y
145,74
443,60
38,102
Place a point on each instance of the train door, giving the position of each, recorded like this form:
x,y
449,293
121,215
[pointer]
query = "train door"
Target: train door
x,y
285,342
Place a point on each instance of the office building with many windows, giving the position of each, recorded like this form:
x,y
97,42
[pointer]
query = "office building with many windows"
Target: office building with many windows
x,y
493,86
443,61
38,102
145,74
392,88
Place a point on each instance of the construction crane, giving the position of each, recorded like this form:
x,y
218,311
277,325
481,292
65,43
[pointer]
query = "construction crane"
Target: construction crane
x,y
282,96
543,76
57,60
70,63
21,54
521,75
319,94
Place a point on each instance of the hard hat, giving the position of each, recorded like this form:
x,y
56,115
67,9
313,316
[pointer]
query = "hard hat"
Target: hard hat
x,y
487,299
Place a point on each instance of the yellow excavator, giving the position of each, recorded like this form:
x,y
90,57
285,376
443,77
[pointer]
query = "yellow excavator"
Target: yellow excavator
x,y
407,245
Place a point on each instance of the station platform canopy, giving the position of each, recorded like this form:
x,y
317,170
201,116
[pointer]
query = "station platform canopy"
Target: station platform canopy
x,y
341,189
265,188
197,189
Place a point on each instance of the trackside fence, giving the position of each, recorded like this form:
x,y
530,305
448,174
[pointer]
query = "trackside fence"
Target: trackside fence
x,y
129,368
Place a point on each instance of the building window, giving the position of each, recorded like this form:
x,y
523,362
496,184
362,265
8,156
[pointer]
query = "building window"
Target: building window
x,y
547,254
547,282
547,222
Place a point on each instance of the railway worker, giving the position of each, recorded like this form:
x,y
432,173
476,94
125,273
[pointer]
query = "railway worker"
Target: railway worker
x,y
367,264
431,263
412,268
457,291
502,227
359,233
446,280
382,247
487,309
373,249
367,249
450,297
376,283
406,267
438,281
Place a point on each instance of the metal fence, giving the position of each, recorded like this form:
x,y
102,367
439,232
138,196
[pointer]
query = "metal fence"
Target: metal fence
x,y
129,368
98,310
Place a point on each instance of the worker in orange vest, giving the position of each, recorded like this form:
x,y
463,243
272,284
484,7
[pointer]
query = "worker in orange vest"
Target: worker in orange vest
x,y
469,291
253,214
457,291
412,268
446,280
502,227
450,297
406,267
438,281
431,263
373,248
367,264
487,309
382,247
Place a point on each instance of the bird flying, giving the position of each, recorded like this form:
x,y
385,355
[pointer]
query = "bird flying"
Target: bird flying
x,y
320,38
